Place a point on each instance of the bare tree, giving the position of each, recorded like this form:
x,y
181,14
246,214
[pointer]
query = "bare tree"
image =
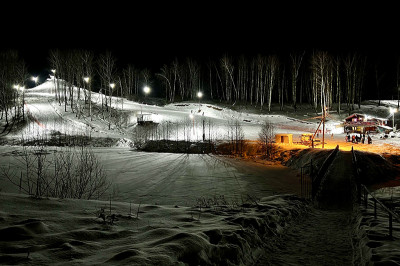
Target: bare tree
x,y
236,137
107,72
87,58
296,60
12,73
165,75
193,78
228,69
272,67
145,75
266,139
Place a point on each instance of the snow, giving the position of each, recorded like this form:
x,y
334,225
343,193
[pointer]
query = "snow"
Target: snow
x,y
177,208
43,107
171,178
58,232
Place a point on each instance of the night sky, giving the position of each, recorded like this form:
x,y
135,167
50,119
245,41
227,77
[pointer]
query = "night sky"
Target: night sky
x,y
153,35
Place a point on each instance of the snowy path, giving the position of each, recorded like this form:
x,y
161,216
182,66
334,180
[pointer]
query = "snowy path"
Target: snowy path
x,y
322,238
325,236
336,192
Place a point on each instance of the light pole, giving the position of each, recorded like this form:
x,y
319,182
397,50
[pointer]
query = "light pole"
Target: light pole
x,y
23,103
112,86
146,91
16,99
35,79
392,111
199,95
54,78
87,80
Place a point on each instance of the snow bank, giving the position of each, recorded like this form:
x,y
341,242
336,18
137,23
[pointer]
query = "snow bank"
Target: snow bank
x,y
54,231
380,248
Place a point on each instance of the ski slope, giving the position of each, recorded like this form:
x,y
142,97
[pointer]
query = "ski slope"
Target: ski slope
x,y
48,115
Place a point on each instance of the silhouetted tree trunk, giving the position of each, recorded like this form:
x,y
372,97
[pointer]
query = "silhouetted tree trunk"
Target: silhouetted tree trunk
x,y
296,60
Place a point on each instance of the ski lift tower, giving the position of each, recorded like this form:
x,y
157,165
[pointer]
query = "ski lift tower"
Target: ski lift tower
x,y
323,117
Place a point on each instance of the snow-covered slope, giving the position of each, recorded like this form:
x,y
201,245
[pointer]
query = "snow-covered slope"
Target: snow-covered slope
x,y
49,115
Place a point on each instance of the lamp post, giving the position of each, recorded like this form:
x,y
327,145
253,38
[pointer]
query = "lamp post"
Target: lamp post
x,y
23,103
392,111
146,90
54,78
199,95
35,79
87,80
16,87
112,86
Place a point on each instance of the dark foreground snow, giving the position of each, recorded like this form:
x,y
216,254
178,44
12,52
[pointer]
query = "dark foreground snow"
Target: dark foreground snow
x,y
59,232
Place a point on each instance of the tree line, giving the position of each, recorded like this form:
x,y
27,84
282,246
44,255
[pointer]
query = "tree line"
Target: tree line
x,y
13,74
318,78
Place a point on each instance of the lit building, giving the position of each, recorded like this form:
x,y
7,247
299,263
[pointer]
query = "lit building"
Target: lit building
x,y
362,123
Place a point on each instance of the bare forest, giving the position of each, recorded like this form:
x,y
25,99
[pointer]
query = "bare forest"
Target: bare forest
x,y
317,78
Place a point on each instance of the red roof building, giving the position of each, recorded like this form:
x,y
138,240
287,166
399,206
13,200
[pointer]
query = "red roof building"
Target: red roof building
x,y
362,123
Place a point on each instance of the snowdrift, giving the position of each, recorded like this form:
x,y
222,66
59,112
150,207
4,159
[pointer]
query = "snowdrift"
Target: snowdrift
x,y
57,232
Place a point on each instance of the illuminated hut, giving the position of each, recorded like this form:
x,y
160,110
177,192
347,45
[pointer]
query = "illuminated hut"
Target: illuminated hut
x,y
361,123
284,138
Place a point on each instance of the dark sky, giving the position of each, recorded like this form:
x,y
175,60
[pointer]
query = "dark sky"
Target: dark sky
x,y
153,35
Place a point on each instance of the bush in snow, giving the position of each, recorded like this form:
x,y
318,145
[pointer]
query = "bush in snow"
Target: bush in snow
x,y
68,173
266,139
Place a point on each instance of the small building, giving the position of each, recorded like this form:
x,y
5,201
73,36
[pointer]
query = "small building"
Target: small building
x,y
362,123
284,138
144,119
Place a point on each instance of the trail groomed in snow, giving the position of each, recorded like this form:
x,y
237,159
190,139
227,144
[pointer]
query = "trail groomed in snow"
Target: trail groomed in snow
x,y
324,237
327,236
